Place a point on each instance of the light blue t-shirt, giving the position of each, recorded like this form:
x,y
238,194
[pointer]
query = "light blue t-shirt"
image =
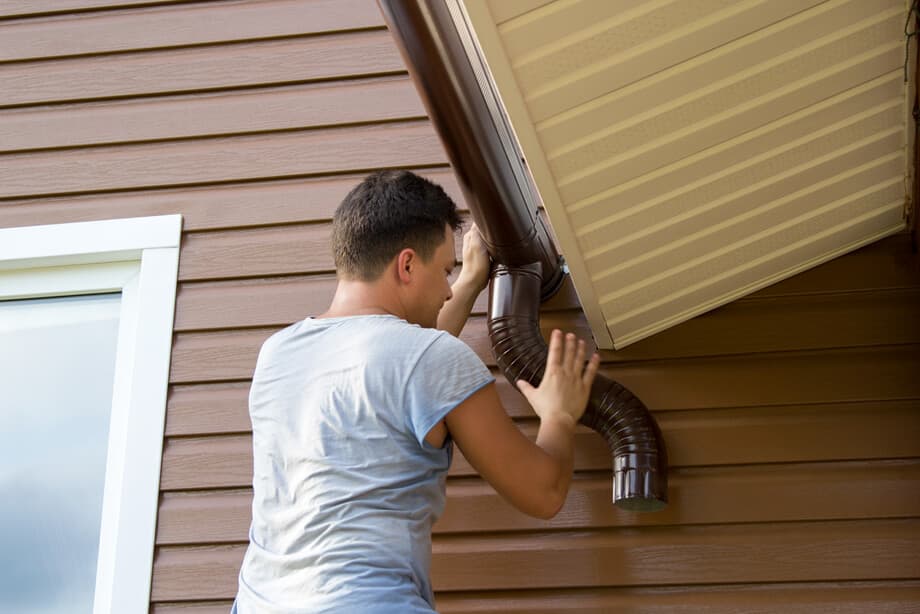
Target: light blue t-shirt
x,y
345,488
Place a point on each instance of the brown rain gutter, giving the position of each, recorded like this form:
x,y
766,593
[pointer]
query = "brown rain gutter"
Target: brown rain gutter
x,y
437,45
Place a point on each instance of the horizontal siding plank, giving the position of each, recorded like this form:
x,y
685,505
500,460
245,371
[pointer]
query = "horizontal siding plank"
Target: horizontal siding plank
x,y
295,249
220,159
209,208
198,357
222,408
795,433
891,597
882,265
811,551
808,377
230,304
783,324
205,409
799,598
219,462
767,325
739,329
765,435
172,26
784,552
204,517
285,250
883,373
211,409
861,431
287,108
232,65
280,302
214,305
712,495
20,8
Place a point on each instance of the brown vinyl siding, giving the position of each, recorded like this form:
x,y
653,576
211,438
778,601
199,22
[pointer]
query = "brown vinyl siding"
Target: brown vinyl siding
x,y
174,26
784,552
34,8
332,150
211,67
854,431
785,493
208,207
175,117
792,416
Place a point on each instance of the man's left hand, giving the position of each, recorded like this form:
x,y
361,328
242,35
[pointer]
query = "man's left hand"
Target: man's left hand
x,y
476,261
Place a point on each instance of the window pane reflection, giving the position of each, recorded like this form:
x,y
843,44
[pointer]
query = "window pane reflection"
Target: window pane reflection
x,y
57,360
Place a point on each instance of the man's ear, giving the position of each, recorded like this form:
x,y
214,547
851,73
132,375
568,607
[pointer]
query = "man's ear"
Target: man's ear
x,y
405,263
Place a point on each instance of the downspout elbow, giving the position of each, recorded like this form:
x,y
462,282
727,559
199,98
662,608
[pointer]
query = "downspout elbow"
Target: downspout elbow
x,y
640,474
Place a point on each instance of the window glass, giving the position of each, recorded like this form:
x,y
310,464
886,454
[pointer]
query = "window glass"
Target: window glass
x,y
57,360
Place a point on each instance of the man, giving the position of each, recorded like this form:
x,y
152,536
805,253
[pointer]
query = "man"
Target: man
x,y
354,413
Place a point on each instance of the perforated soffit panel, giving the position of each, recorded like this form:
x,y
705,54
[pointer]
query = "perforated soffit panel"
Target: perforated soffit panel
x,y
691,152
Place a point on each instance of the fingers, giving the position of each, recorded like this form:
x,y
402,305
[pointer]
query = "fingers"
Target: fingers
x,y
591,370
568,360
475,255
579,358
525,388
567,351
471,234
554,356
567,356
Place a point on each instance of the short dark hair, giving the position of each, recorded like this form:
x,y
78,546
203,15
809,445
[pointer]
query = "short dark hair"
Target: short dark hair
x,y
384,214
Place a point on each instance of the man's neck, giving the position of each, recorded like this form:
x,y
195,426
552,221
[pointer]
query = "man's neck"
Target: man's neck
x,y
356,298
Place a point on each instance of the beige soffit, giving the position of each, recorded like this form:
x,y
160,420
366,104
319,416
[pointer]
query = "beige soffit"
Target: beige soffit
x,y
690,152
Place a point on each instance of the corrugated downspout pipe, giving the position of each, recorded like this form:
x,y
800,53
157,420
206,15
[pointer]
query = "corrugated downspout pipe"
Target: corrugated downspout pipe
x,y
640,463
442,56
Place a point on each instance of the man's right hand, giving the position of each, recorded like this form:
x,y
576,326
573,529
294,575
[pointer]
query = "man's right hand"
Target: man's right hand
x,y
563,393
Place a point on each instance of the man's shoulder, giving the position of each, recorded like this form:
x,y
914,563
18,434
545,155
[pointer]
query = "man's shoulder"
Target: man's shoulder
x,y
418,341
411,343
380,335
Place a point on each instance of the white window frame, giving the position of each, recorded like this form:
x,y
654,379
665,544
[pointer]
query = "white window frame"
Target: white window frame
x,y
138,257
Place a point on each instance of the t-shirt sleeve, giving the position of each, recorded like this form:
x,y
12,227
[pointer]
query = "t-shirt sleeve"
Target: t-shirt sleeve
x,y
446,374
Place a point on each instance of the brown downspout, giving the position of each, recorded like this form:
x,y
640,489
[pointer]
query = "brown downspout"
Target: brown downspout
x,y
437,47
